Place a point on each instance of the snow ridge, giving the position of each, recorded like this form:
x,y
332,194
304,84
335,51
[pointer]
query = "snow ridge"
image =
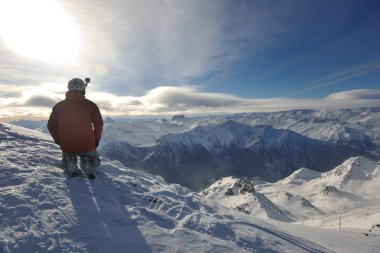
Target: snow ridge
x,y
300,176
240,194
232,133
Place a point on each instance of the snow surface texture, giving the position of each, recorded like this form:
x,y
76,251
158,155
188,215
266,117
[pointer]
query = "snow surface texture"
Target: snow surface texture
x,y
41,210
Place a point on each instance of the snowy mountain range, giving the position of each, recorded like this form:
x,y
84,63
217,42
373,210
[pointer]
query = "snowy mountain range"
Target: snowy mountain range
x,y
124,210
358,127
39,125
199,157
197,151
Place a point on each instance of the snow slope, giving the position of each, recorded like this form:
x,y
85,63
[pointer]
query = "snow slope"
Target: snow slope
x,y
41,210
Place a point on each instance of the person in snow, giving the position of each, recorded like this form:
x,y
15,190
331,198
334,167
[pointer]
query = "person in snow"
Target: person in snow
x,y
76,125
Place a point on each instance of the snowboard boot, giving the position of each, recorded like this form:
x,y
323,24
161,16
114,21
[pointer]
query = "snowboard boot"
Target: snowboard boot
x,y
87,167
72,167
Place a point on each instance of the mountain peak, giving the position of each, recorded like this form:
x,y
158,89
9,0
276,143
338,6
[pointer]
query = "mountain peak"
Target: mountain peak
x,y
178,117
300,176
109,120
356,168
240,194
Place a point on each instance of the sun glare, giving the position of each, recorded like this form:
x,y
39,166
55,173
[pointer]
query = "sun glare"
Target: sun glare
x,y
40,30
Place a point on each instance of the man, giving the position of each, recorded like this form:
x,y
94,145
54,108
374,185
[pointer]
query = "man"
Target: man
x,y
76,125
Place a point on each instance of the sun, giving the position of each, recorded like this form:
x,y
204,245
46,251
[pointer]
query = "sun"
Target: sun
x,y
40,30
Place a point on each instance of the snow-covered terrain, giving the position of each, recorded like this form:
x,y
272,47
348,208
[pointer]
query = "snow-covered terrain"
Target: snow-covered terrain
x,y
204,154
39,125
42,210
359,127
348,193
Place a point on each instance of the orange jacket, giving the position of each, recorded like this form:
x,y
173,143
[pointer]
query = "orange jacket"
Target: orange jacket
x,y
76,123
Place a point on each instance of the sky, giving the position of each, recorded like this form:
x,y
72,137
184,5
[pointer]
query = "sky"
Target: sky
x,y
165,57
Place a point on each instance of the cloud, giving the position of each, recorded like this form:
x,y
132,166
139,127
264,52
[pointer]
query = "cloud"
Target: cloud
x,y
22,73
131,46
168,100
145,44
356,94
29,101
40,101
171,100
186,97
129,43
133,50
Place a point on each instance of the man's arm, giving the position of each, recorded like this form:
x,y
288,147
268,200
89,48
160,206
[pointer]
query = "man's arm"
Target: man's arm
x,y
97,121
52,125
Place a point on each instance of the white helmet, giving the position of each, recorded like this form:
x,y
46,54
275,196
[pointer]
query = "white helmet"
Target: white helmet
x,y
76,84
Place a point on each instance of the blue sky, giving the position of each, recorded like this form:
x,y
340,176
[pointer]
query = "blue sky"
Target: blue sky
x,y
161,57
309,40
